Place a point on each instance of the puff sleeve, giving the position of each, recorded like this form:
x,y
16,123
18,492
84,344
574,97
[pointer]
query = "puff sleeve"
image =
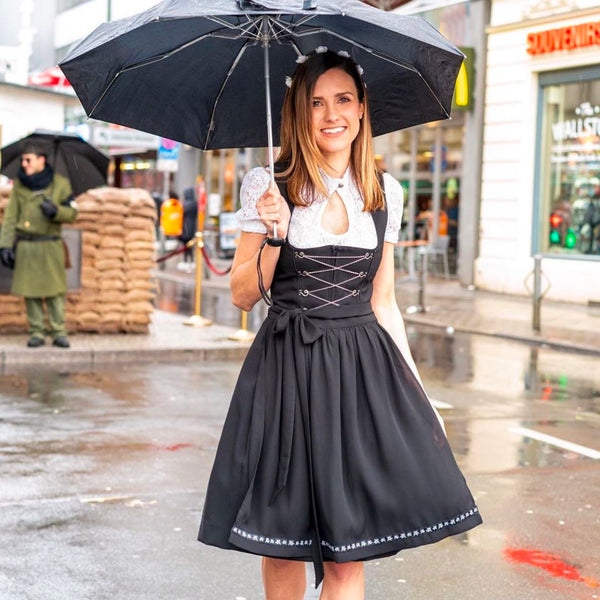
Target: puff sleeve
x,y
254,185
394,195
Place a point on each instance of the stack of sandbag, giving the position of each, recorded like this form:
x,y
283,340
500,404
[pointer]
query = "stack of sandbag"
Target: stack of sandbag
x,y
118,255
12,308
117,285
13,318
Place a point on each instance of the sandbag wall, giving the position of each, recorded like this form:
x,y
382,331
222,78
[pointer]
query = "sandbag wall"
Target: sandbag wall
x,y
118,255
12,308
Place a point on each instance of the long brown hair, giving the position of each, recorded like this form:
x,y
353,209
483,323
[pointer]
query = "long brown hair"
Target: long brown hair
x,y
299,152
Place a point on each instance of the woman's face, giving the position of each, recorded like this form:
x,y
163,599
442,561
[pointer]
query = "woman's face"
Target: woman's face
x,y
336,113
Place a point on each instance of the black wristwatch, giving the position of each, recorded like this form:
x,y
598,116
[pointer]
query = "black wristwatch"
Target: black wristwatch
x,y
278,241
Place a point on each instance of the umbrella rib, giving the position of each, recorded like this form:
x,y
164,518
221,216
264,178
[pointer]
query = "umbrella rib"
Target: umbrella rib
x,y
222,89
144,63
378,54
243,28
155,59
290,27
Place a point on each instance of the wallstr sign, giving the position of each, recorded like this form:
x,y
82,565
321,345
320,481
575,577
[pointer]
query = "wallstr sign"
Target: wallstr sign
x,y
564,38
585,124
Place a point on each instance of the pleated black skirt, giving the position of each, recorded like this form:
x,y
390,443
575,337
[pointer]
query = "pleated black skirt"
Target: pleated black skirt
x,y
331,450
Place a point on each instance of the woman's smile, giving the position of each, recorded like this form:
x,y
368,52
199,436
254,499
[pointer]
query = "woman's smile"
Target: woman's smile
x,y
333,131
336,114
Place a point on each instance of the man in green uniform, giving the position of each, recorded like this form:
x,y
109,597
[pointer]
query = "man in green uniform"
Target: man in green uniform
x,y
30,243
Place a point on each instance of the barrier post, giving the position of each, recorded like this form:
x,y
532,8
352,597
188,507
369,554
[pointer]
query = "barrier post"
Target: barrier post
x,y
422,281
420,307
162,246
197,320
242,335
537,292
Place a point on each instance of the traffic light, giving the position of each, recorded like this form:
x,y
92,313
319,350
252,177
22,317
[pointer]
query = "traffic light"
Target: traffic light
x,y
570,239
555,222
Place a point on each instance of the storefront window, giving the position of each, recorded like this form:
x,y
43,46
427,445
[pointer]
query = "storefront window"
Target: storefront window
x,y
569,168
420,171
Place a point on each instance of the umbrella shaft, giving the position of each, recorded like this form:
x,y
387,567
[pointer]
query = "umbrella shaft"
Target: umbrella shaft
x,y
265,26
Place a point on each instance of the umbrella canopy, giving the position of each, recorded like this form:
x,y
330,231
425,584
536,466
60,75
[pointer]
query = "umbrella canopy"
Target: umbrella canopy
x,y
68,154
192,71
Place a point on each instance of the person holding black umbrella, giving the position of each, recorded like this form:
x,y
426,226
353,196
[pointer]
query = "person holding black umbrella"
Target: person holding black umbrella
x,y
331,451
30,242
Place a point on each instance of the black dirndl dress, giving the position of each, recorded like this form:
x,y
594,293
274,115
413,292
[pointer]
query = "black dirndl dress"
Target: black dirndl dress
x,y
330,450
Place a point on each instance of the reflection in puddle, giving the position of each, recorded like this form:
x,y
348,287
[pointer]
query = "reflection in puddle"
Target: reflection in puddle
x,y
508,368
216,304
497,386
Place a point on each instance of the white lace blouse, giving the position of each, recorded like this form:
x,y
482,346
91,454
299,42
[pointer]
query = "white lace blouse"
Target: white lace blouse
x,y
305,229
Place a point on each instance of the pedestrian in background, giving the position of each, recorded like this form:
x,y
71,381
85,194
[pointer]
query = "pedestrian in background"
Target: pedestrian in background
x,y
190,222
30,242
331,451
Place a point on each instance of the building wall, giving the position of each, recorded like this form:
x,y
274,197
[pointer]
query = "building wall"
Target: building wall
x,y
507,194
75,23
23,109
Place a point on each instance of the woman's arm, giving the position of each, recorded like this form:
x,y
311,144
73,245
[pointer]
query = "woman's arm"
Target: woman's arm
x,y
244,277
271,207
388,314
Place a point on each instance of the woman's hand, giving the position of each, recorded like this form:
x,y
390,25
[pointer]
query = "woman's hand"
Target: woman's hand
x,y
272,208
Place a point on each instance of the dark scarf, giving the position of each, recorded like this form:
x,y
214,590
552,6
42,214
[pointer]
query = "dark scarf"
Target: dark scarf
x,y
37,181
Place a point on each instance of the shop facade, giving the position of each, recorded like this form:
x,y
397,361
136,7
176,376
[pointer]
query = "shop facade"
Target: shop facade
x,y
439,164
541,160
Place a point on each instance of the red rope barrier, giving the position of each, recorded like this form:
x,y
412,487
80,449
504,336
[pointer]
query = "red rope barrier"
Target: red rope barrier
x,y
211,266
171,254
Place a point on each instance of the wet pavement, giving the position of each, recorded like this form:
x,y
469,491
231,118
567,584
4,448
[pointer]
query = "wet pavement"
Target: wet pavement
x,y
563,325
103,475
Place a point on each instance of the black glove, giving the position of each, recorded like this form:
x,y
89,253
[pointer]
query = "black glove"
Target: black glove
x,y
7,257
48,208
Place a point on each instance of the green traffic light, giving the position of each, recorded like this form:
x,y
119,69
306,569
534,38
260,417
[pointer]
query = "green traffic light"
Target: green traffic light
x,y
570,239
554,237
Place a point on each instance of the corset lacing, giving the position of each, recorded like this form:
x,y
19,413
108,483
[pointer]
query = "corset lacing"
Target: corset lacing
x,y
322,267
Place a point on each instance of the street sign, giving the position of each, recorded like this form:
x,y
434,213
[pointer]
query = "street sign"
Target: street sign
x,y
167,155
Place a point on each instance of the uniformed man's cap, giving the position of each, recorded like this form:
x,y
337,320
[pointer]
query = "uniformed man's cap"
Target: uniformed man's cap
x,y
34,148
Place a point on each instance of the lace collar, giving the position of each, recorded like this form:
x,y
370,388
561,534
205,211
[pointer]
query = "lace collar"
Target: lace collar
x,y
332,184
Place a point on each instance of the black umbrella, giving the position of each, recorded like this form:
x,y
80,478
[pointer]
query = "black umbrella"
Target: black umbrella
x,y
190,70
68,154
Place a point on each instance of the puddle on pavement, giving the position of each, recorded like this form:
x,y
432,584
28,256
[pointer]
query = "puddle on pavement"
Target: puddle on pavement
x,y
216,304
492,386
508,368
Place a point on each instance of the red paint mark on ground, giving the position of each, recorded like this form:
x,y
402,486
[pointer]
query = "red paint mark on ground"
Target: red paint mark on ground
x,y
551,563
173,447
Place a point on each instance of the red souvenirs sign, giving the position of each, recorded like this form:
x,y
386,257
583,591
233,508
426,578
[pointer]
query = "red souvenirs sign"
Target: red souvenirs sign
x,y
564,38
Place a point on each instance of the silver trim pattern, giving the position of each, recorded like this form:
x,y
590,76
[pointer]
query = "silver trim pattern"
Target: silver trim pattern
x,y
361,544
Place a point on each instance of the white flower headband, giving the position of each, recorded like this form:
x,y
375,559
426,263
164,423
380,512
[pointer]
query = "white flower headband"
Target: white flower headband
x,y
321,50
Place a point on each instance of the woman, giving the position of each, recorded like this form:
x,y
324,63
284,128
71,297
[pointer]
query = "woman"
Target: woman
x,y
331,451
